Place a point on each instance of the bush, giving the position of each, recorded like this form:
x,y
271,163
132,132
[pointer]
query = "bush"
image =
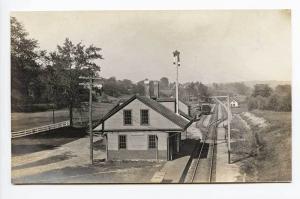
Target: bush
x,y
264,98
285,103
262,102
274,103
252,103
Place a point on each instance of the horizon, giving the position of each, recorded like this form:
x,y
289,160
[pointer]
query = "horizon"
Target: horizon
x,y
205,83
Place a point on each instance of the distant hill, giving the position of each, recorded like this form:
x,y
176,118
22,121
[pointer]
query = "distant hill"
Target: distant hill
x,y
271,83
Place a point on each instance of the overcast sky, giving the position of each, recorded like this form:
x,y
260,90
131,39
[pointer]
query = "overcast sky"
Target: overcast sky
x,y
215,46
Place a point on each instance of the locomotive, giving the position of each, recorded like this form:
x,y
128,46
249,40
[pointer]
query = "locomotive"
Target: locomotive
x,y
205,108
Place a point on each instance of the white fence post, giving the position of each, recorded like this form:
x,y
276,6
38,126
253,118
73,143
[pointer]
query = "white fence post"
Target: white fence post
x,y
31,131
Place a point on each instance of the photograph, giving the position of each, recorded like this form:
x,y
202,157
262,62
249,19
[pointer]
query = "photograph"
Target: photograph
x,y
151,96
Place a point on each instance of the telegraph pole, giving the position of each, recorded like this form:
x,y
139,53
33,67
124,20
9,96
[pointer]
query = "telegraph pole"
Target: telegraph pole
x,y
53,117
228,126
90,87
176,62
228,121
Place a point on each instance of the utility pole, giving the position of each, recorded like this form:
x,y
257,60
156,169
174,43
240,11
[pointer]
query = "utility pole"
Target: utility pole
x,y
90,87
176,62
53,117
228,121
228,126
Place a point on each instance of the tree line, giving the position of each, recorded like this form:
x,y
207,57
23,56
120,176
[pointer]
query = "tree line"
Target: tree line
x,y
265,98
41,80
230,88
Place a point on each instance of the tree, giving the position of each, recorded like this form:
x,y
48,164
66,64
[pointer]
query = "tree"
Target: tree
x,y
202,90
283,89
139,88
164,83
262,102
25,68
273,102
69,62
241,88
252,103
263,90
111,87
286,103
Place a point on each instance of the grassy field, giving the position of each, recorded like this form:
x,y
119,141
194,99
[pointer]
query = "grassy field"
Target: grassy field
x,y
242,108
21,121
264,154
274,160
45,141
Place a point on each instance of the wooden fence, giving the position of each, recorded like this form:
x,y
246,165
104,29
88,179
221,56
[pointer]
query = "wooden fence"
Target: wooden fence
x,y
31,131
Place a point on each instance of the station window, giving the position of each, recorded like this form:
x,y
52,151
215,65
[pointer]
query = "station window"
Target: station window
x,y
144,117
122,141
127,117
152,141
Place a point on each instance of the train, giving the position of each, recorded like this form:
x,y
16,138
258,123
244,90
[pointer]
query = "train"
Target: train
x,y
205,108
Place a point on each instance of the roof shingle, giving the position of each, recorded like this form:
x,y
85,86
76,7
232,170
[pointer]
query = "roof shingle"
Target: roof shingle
x,y
152,104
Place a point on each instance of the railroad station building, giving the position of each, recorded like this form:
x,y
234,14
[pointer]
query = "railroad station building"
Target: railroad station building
x,y
142,128
184,108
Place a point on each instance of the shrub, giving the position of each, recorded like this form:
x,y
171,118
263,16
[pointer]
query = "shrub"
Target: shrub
x,y
261,102
273,102
252,103
278,100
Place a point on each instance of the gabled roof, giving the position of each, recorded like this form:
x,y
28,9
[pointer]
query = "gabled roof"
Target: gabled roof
x,y
185,115
234,99
169,99
184,102
152,104
164,111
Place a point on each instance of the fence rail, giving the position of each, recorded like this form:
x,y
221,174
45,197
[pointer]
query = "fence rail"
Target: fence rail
x,y
31,131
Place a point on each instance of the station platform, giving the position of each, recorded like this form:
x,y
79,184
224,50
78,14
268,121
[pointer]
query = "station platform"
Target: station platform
x,y
173,170
225,173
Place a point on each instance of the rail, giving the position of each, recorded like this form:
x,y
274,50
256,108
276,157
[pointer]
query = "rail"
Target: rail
x,y
26,132
212,165
201,151
211,168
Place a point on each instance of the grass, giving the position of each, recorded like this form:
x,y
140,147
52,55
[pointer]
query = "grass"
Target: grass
x,y
46,140
20,121
273,159
243,147
54,138
102,172
242,108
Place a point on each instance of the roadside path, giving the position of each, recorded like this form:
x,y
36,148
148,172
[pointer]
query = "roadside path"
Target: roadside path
x,y
225,172
72,154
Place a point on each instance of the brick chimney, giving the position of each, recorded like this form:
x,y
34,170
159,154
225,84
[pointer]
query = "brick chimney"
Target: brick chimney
x,y
147,88
155,89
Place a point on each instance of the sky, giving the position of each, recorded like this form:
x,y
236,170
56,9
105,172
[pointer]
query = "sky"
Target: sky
x,y
214,45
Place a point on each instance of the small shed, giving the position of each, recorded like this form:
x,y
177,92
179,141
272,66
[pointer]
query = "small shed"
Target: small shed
x,y
234,103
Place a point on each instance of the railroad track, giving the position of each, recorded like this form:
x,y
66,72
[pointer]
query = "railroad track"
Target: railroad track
x,y
204,170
